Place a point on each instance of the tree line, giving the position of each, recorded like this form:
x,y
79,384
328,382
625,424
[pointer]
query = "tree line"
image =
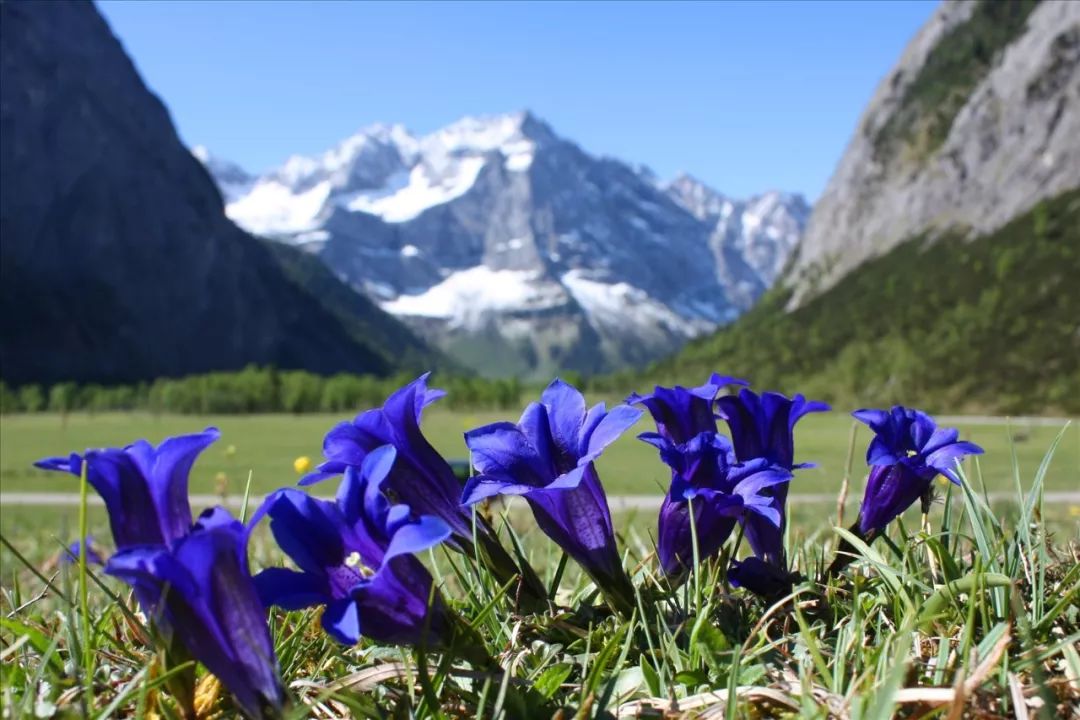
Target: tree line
x,y
252,390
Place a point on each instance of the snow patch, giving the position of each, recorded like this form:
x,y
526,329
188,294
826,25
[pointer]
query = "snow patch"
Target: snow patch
x,y
408,196
410,251
621,305
272,208
468,297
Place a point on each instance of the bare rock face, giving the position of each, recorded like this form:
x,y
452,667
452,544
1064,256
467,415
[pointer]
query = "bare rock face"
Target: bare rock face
x,y
979,120
117,261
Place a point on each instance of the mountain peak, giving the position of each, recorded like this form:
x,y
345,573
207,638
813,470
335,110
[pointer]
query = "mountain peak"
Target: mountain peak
x,y
700,200
506,132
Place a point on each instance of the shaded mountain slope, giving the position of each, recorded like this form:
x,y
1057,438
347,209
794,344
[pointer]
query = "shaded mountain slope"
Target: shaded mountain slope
x,y
117,262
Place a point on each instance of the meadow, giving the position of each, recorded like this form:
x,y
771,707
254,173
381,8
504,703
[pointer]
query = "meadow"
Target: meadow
x,y
267,445
976,612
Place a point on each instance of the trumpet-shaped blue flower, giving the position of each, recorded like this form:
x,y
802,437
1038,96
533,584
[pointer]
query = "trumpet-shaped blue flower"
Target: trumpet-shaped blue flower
x,y
762,426
706,478
547,458
355,558
207,595
420,478
681,413
908,451
145,489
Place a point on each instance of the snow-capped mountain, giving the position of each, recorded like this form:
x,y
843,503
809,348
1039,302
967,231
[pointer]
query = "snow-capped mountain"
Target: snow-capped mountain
x,y
751,240
514,249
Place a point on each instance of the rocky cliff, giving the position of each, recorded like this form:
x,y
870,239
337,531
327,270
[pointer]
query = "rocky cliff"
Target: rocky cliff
x,y
978,121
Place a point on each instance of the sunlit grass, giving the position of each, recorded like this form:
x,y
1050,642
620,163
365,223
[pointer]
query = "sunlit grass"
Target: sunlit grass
x,y
981,609
269,445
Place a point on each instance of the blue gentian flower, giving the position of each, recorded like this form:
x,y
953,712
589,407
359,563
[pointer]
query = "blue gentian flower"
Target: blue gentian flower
x,y
547,458
420,478
908,451
706,477
355,558
145,489
93,557
206,593
762,426
681,413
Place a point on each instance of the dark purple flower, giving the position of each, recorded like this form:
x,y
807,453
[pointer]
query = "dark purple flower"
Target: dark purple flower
x,y
761,578
547,458
420,478
705,477
93,557
908,451
145,489
207,595
355,558
762,426
681,413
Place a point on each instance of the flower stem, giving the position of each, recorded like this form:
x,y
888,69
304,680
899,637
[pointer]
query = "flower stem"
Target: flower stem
x,y
84,601
697,558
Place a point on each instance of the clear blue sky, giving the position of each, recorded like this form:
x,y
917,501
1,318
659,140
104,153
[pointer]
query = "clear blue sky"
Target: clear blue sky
x,y
745,95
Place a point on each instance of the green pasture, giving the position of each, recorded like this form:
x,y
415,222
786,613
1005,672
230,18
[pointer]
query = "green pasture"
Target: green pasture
x,y
267,445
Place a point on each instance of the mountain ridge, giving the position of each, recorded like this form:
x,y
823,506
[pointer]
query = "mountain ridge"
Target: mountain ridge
x,y
496,229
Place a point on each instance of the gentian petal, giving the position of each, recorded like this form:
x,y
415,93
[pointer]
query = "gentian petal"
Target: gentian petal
x,y
592,419
168,478
939,438
890,490
675,547
944,459
213,517
308,530
922,428
150,565
721,380
680,413
133,515
232,639
418,536
341,620
502,448
394,605
290,590
482,487
566,415
348,443
880,452
70,464
871,418
608,430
